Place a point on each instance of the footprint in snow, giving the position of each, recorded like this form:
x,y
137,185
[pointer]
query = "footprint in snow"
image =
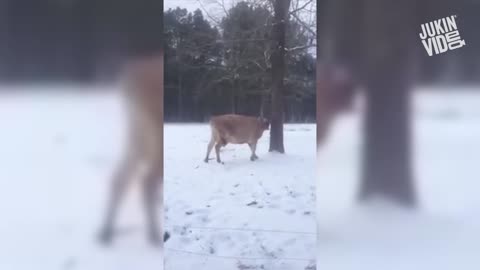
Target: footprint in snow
x,y
252,203
291,211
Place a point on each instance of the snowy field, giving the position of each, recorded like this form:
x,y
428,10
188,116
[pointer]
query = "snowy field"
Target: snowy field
x,y
443,234
243,214
58,151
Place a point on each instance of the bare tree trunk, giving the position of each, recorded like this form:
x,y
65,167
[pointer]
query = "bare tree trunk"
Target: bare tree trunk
x,y
387,167
233,107
180,98
278,74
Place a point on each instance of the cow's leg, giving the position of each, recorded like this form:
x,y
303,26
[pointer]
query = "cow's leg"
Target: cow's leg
x,y
217,152
253,147
152,185
119,185
209,148
152,180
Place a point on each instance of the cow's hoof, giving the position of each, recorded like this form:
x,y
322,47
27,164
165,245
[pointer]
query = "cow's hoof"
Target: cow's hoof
x,y
253,158
166,236
154,238
206,160
105,237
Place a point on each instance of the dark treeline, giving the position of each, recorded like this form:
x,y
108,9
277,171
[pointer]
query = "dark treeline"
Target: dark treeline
x,y
226,68
340,31
75,40
84,40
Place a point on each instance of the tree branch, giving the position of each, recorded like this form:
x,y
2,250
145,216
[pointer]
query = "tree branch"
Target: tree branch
x,y
302,7
306,26
298,48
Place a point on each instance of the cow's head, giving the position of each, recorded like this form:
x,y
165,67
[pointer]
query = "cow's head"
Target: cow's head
x,y
336,86
264,123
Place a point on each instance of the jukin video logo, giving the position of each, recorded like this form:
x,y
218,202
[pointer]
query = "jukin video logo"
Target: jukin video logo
x,y
441,35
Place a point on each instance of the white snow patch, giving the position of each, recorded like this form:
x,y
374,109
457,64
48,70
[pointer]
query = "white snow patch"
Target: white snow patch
x,y
443,233
243,214
58,150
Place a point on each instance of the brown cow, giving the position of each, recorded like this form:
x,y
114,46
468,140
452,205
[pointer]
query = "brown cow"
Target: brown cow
x,y
236,129
335,93
144,96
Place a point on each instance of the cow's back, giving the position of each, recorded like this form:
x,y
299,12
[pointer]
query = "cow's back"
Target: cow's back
x,y
235,128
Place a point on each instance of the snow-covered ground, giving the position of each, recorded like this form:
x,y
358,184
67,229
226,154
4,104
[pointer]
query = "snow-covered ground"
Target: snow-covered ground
x,y
443,234
57,154
243,214
58,151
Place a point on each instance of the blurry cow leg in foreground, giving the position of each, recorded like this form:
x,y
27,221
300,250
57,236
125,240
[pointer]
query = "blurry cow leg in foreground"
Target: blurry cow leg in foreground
x,y
144,93
152,179
119,185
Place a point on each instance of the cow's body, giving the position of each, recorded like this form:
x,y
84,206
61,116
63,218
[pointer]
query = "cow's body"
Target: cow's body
x,y
235,129
144,97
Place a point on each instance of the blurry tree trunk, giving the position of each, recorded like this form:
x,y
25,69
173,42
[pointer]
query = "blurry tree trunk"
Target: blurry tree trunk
x,y
232,100
387,170
264,105
278,74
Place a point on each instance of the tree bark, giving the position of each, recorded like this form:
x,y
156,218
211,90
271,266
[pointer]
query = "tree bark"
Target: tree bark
x,y
278,74
387,169
180,98
233,97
